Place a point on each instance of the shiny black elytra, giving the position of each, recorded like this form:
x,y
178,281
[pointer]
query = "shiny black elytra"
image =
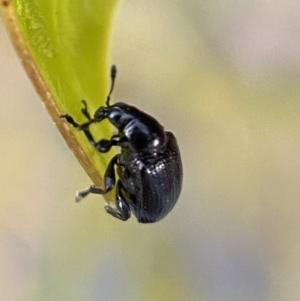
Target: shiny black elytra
x,y
149,165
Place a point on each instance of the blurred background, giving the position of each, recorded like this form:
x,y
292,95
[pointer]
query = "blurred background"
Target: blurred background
x,y
224,77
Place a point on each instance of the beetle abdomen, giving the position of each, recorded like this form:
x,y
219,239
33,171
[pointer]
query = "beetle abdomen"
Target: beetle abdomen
x,y
158,185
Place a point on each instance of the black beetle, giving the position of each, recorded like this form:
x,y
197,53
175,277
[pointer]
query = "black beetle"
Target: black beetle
x,y
149,165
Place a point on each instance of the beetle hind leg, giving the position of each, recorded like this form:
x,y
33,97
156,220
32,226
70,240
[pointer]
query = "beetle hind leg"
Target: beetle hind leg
x,y
109,181
123,209
92,189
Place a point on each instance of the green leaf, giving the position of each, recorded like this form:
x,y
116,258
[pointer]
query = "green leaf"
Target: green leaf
x,y
64,46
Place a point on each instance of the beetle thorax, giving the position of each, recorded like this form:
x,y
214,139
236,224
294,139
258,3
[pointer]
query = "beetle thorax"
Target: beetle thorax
x,y
142,137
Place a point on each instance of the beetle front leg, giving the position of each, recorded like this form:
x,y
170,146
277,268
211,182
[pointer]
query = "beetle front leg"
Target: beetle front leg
x,y
83,126
85,110
109,181
70,120
104,145
123,209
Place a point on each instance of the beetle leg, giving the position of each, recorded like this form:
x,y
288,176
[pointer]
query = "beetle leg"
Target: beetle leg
x,y
104,145
85,126
109,180
85,110
123,212
69,119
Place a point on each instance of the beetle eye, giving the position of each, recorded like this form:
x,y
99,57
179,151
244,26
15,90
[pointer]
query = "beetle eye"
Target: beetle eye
x,y
115,116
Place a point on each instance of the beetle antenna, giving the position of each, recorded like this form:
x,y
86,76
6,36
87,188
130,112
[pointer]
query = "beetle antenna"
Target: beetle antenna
x,y
113,75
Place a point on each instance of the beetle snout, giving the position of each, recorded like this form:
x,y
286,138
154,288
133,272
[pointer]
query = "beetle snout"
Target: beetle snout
x,y
101,114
